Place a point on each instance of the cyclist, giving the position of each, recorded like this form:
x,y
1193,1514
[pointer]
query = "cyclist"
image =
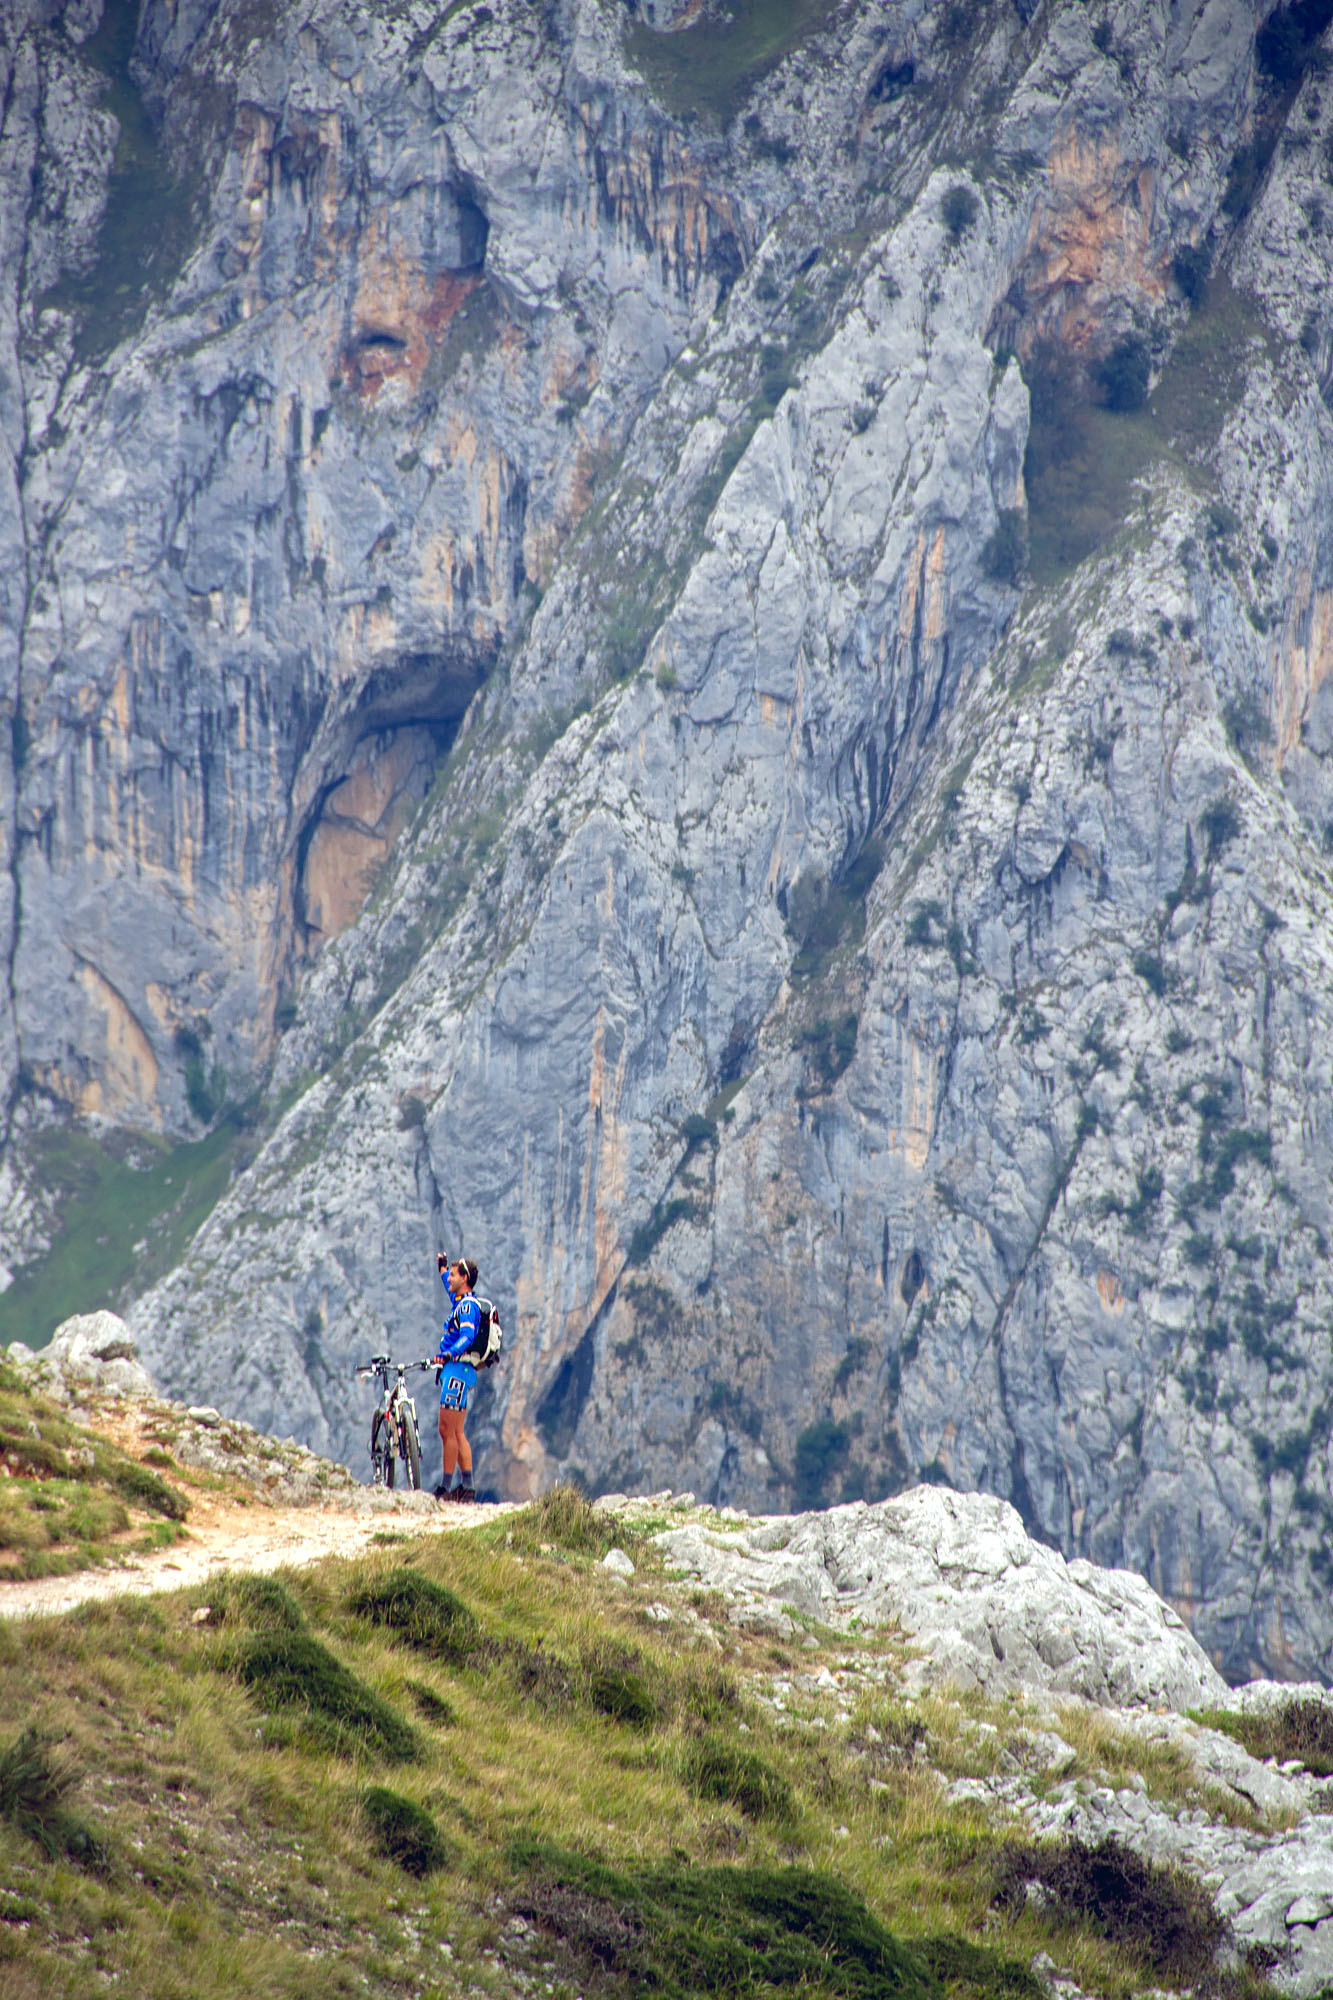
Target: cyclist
x,y
458,1377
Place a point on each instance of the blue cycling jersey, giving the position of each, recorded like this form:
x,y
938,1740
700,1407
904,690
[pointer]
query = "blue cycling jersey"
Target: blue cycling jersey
x,y
462,1329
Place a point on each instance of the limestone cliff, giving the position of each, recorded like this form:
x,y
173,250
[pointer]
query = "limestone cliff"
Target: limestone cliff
x,y
701,650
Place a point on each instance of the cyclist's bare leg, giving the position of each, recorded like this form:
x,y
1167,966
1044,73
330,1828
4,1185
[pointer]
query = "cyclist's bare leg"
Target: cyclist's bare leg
x,y
451,1437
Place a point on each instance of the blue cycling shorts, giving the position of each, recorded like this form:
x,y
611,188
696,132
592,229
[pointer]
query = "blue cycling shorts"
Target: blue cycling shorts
x,y
456,1384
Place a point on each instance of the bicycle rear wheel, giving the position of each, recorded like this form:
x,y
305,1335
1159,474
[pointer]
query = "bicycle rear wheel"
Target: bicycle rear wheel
x,y
412,1451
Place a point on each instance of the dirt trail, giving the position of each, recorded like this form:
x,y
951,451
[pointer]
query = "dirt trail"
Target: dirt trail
x,y
226,1536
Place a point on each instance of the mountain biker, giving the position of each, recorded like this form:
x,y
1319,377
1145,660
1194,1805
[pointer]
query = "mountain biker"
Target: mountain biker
x,y
458,1378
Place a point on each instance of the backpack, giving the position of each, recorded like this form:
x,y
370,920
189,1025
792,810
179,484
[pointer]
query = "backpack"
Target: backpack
x,y
485,1350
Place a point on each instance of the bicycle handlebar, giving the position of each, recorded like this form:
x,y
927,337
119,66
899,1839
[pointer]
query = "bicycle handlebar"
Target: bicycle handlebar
x,y
382,1363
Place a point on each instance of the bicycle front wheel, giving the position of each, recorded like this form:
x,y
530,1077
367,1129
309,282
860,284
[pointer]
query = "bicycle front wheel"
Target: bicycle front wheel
x,y
412,1451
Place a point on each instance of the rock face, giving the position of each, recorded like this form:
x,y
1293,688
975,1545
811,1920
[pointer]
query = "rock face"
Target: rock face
x,y
985,1607
613,632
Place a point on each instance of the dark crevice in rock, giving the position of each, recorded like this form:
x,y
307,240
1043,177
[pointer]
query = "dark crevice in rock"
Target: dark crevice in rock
x,y
561,1406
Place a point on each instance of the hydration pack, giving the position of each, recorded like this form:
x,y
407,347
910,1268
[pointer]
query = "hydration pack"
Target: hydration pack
x,y
485,1350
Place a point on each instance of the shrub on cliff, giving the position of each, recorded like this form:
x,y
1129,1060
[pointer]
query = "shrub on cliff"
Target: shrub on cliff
x,y
1190,268
1005,555
960,209
1124,374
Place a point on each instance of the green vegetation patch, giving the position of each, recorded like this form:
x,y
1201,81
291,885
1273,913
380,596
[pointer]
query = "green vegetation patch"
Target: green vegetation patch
x,y
291,1671
1092,439
822,1451
824,916
709,69
720,1771
404,1832
128,1208
34,1788
245,1854
679,1930
260,1601
152,214
618,1687
424,1613
144,1488
830,1045
432,1707
1297,1730
566,1519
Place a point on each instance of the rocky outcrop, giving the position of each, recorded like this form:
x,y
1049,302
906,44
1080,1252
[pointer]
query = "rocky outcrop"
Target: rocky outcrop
x,y
92,1350
982,1605
269,553
860,997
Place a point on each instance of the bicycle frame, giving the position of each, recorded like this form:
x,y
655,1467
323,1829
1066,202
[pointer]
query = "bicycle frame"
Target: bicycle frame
x,y
393,1427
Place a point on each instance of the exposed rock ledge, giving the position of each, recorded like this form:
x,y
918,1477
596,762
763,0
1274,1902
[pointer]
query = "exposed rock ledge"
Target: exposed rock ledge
x,y
988,1607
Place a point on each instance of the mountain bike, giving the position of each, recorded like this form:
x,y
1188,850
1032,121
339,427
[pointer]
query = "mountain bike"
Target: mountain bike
x,y
393,1428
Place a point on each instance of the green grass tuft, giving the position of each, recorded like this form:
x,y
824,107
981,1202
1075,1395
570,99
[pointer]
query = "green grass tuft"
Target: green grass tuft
x,y
714,1769
144,1488
293,1672
565,1519
404,1832
33,1791
965,1969
257,1601
619,1687
427,1615
432,1707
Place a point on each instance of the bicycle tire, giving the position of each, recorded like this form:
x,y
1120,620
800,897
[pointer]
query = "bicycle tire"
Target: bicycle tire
x,y
411,1451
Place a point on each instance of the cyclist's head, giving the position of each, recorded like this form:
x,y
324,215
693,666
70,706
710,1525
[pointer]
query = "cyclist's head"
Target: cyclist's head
x,y
464,1274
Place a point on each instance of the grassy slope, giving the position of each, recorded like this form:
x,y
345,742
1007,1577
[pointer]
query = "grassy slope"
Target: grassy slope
x,y
1083,460
619,1800
69,1498
710,68
129,1207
